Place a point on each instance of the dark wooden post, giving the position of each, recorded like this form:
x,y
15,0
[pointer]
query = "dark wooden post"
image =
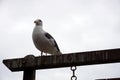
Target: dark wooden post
x,y
29,74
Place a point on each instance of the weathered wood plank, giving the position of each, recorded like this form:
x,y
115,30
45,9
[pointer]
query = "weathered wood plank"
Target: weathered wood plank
x,y
64,60
109,79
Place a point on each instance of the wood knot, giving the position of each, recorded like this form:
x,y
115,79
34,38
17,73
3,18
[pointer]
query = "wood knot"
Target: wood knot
x,y
29,60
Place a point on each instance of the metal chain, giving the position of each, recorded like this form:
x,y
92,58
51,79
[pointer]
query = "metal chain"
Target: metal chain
x,y
73,77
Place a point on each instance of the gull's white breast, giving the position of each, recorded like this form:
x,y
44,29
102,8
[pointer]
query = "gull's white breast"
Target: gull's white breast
x,y
42,43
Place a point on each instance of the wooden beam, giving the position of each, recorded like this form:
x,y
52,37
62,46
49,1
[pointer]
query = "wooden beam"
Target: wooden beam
x,y
109,79
64,60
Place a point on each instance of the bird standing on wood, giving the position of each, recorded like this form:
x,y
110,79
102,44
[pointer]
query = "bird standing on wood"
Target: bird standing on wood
x,y
43,41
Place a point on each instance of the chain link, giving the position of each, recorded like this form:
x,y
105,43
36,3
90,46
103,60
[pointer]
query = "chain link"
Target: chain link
x,y
73,77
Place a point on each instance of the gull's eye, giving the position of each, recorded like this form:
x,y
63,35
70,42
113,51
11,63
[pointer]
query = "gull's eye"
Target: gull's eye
x,y
39,20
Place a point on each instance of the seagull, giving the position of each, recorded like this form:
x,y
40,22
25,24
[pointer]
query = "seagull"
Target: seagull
x,y
43,41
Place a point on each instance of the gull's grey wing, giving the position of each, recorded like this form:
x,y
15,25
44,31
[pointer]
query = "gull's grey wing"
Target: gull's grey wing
x,y
50,37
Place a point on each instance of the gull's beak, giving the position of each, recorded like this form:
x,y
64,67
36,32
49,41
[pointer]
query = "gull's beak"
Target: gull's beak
x,y
35,21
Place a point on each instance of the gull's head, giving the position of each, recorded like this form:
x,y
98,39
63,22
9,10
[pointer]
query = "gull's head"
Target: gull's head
x,y
38,22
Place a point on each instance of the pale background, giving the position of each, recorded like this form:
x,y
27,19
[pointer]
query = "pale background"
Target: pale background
x,y
76,25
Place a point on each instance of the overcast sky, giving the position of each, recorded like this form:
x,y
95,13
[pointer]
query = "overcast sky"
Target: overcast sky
x,y
77,25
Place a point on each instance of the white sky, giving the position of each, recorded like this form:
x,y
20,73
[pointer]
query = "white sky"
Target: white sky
x,y
77,25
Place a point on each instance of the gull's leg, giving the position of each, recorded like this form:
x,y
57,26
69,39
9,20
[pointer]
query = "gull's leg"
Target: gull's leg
x,y
41,53
46,54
